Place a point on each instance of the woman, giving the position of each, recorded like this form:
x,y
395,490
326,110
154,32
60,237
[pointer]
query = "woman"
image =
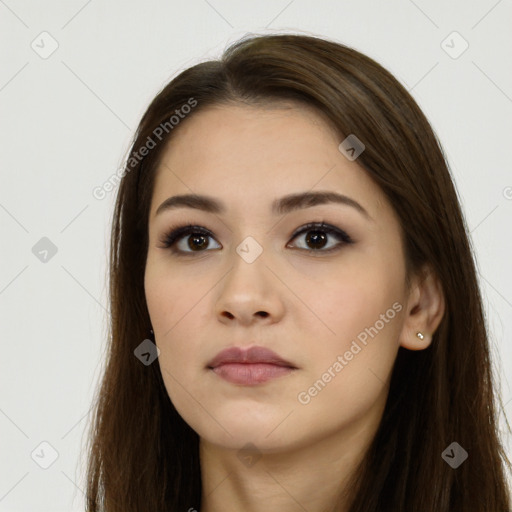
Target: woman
x,y
296,318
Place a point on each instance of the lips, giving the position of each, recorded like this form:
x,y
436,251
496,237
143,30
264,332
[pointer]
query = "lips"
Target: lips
x,y
252,355
250,367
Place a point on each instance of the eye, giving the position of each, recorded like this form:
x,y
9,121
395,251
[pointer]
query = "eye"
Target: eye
x,y
189,239
195,243
317,234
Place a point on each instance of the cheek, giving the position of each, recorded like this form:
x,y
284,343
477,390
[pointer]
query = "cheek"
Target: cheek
x,y
344,302
358,320
170,294
171,305
176,304
347,374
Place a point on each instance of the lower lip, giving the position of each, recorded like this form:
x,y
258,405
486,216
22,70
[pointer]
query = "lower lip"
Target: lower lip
x,y
250,373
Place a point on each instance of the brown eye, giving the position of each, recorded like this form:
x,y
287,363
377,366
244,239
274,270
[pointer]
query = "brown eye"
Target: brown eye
x,y
195,238
318,234
189,239
316,238
197,241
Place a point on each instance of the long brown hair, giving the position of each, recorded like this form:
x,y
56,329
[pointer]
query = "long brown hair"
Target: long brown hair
x,y
141,453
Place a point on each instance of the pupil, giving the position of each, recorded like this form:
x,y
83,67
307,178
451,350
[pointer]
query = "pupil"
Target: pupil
x,y
315,237
196,238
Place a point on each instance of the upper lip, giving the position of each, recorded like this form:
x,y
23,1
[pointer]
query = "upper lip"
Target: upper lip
x,y
255,354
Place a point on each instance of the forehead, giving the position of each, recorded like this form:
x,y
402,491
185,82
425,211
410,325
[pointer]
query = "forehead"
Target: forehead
x,y
247,155
236,132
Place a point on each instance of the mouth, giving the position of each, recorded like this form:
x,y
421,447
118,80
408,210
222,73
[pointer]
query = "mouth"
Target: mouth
x,y
248,374
252,366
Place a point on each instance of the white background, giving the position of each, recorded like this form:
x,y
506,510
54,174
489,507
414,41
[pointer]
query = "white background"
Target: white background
x,y
65,125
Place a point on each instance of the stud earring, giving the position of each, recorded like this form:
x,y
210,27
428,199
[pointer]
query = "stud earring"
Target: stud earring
x,y
420,335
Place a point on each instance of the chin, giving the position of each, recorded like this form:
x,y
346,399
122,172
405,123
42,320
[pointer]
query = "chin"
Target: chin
x,y
245,439
238,432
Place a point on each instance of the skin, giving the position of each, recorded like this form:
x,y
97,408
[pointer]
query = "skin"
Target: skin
x,y
315,305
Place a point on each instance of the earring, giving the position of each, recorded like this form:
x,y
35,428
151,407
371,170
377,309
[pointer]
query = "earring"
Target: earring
x,y
152,333
420,335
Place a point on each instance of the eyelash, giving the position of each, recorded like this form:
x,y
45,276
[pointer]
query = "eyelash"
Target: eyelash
x,y
177,233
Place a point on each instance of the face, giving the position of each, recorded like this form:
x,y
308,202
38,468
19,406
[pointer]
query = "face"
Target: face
x,y
327,299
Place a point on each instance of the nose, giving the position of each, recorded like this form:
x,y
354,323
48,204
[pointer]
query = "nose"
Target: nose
x,y
249,294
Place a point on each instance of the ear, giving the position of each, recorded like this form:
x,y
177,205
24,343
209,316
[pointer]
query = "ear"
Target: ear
x,y
424,310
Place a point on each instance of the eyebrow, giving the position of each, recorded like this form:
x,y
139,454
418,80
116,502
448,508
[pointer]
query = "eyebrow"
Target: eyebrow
x,y
280,206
